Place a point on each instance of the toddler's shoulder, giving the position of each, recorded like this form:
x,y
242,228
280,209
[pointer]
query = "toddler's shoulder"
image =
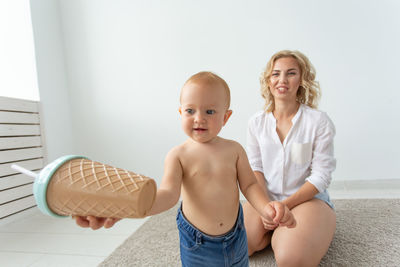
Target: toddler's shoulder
x,y
229,142
233,144
176,151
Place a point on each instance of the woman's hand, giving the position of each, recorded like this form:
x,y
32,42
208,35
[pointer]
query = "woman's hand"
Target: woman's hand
x,y
94,222
277,214
269,224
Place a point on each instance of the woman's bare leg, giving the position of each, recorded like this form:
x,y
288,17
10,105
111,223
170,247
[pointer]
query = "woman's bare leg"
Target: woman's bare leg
x,y
257,236
308,242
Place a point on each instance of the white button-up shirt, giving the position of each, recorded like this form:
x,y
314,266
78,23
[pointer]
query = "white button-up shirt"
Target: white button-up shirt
x,y
306,154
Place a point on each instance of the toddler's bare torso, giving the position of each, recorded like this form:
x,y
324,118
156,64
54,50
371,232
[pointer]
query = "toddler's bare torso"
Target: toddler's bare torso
x,y
210,193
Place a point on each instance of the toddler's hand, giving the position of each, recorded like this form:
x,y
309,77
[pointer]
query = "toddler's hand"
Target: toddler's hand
x,y
269,216
94,222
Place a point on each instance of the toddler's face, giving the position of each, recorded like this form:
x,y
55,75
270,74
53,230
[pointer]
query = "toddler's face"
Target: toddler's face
x,y
204,110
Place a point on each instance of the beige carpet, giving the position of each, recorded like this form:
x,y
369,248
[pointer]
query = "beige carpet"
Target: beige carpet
x,y
367,234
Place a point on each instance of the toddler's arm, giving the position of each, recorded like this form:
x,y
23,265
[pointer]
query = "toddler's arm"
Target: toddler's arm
x,y
273,212
170,188
167,194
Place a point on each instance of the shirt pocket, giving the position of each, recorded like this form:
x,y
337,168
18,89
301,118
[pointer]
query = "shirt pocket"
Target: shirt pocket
x,y
301,153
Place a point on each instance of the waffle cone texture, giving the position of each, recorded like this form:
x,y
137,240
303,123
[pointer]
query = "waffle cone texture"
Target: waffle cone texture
x,y
83,187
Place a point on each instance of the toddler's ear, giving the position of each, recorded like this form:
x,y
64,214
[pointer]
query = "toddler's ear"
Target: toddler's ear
x,y
227,115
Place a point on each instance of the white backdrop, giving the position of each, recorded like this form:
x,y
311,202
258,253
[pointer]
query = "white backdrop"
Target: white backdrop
x,y
18,77
125,62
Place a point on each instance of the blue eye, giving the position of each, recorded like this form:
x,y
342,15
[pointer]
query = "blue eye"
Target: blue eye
x,y
210,111
190,111
292,73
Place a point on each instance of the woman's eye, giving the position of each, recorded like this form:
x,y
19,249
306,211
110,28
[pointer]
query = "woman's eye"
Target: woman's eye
x,y
210,111
190,111
292,73
275,74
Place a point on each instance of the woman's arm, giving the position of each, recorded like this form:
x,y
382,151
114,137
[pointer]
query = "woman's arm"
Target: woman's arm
x,y
306,192
323,164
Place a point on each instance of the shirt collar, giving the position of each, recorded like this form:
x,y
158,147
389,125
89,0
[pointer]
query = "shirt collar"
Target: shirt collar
x,y
298,114
294,119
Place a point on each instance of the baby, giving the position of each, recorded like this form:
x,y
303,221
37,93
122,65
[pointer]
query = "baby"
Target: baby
x,y
207,172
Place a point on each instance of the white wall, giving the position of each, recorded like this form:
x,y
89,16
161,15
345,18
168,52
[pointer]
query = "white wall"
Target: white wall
x,y
52,81
126,61
17,53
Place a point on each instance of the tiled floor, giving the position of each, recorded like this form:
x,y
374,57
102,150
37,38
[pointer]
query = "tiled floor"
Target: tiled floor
x,y
33,239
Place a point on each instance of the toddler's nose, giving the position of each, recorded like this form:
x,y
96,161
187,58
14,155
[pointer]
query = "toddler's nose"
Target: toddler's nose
x,y
199,117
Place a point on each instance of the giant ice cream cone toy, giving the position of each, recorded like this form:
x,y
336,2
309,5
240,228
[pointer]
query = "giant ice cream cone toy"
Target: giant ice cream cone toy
x,y
75,185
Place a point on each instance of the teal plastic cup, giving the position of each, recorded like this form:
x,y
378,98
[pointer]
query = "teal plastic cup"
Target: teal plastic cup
x,y
42,181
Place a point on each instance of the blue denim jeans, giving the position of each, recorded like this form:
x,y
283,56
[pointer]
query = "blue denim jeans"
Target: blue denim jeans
x,y
324,196
200,249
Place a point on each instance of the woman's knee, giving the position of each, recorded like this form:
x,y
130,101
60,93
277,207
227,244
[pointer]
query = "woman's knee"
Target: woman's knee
x,y
259,243
289,257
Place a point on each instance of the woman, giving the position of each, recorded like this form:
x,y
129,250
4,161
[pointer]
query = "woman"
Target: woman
x,y
290,148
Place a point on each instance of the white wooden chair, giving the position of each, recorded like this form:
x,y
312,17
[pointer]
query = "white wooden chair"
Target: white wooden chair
x,y
21,142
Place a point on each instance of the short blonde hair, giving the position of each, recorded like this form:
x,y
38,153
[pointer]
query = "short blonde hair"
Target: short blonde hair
x,y
309,91
208,77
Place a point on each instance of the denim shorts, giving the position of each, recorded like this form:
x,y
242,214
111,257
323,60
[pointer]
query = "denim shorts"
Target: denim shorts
x,y
324,196
200,249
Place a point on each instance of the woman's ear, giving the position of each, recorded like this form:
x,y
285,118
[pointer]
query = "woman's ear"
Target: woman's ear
x,y
227,115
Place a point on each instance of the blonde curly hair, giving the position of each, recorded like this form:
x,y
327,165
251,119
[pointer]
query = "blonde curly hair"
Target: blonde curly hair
x,y
309,91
